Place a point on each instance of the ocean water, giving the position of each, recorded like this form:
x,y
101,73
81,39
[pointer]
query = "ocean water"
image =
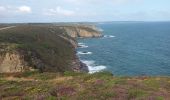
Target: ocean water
x,y
129,48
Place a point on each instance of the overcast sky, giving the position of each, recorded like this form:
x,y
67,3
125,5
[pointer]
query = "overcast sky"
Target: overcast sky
x,y
83,10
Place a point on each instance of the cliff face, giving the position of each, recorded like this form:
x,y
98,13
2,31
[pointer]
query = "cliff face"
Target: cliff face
x,y
12,62
82,32
46,48
13,59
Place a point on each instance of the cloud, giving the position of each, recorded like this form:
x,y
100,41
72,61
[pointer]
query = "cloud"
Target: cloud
x,y
24,9
58,11
12,12
80,2
13,9
2,8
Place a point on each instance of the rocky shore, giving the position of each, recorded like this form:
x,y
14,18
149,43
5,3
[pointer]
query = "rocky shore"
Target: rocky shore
x,y
79,66
79,31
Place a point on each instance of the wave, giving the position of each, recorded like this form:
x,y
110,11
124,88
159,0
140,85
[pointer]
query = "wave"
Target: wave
x,y
109,36
82,46
92,67
80,43
84,53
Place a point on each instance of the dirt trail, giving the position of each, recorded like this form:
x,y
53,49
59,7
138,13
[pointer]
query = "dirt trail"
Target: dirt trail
x,y
4,28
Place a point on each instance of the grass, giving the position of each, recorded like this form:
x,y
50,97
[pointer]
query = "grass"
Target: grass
x,y
81,86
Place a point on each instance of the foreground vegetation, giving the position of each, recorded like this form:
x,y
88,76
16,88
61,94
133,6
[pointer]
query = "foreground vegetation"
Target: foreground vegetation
x,y
82,86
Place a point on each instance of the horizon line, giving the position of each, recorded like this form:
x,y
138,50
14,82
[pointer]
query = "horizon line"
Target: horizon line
x,y
77,22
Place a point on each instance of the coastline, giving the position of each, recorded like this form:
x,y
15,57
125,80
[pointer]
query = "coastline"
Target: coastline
x,y
74,32
86,65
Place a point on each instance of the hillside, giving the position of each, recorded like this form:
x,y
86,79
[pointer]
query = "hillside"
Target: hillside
x,y
46,47
82,86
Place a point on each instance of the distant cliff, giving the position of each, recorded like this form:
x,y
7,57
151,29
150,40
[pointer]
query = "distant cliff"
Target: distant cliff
x,y
81,31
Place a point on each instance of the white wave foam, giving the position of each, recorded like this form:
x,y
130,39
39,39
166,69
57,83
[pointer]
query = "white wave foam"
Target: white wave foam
x,y
80,43
82,46
96,68
109,36
84,53
92,67
88,63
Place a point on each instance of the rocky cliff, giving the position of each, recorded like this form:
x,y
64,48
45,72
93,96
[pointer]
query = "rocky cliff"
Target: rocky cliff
x,y
12,62
82,31
44,47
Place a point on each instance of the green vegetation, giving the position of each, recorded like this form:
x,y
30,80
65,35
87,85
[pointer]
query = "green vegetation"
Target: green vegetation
x,y
41,41
81,86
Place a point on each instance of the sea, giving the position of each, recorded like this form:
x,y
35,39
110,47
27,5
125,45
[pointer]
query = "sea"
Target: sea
x,y
128,49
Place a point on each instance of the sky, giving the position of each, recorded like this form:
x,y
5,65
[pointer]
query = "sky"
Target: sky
x,y
22,11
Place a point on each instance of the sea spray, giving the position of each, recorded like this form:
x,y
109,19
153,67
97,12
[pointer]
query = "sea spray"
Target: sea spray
x,y
93,67
84,53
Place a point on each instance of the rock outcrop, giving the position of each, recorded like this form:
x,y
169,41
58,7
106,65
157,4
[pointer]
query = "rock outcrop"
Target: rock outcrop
x,y
78,66
12,62
20,61
82,31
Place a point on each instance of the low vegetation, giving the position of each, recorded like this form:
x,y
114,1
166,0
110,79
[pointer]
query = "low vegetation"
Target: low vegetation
x,y
45,42
82,86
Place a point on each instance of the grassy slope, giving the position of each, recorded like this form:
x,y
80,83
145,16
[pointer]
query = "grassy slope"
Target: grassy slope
x,y
81,86
43,40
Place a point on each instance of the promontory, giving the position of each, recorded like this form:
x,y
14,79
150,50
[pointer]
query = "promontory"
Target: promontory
x,y
43,47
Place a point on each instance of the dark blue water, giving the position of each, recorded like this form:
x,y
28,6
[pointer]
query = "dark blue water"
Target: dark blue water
x,y
138,48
